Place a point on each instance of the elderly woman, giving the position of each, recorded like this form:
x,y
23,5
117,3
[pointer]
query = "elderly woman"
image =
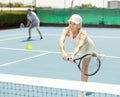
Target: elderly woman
x,y
83,43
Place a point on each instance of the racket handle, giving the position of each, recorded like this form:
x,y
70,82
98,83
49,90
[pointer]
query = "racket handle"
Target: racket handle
x,y
68,58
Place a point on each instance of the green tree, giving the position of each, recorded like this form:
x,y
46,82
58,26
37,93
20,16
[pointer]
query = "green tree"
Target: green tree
x,y
16,4
10,4
85,6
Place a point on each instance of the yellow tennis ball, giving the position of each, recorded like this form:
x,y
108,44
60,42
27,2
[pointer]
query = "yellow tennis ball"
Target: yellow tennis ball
x,y
29,46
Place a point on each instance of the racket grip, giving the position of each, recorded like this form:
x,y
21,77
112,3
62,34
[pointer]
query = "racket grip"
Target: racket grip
x,y
68,58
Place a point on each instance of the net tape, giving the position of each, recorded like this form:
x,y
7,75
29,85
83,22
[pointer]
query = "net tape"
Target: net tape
x,y
45,83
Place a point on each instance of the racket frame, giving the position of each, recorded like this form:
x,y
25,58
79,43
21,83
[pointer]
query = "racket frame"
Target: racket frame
x,y
79,64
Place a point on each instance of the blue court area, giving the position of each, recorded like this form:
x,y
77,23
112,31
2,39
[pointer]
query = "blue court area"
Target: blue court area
x,y
45,60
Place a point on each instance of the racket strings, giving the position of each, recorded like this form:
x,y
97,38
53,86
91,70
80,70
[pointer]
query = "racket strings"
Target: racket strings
x,y
22,25
93,65
89,65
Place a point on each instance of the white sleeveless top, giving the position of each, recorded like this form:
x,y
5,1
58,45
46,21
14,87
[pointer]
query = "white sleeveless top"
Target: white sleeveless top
x,y
89,46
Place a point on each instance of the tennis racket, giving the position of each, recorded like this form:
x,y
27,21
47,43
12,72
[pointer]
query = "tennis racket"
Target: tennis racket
x,y
88,64
22,26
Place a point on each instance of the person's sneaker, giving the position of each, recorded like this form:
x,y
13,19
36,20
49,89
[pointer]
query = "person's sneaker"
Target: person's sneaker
x,y
41,38
28,38
102,57
82,94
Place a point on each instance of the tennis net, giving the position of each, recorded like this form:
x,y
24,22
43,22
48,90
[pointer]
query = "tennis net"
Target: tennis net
x,y
24,86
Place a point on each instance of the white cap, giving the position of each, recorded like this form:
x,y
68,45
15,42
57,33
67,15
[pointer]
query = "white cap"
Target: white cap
x,y
77,19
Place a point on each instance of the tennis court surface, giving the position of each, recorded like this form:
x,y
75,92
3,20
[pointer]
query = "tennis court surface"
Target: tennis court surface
x,y
41,72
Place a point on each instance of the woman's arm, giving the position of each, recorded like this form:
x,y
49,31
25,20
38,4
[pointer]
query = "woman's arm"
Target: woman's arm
x,y
61,43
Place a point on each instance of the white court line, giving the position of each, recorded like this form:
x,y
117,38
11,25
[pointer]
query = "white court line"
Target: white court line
x,y
13,62
17,49
57,35
12,38
109,37
15,37
9,35
116,57
53,52
23,36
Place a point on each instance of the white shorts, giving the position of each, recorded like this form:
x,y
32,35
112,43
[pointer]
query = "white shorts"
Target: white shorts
x,y
36,24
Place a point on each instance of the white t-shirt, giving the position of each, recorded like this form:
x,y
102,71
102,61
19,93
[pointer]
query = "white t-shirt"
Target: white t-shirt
x,y
32,17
